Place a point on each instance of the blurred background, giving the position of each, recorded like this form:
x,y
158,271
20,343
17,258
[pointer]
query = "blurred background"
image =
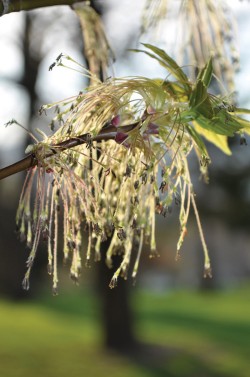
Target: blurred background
x,y
172,322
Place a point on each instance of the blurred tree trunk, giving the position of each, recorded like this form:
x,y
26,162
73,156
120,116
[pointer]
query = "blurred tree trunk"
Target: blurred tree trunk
x,y
116,311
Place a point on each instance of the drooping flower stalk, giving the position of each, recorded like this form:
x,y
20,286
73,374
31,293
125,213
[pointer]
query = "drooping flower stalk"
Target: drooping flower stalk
x,y
204,28
118,157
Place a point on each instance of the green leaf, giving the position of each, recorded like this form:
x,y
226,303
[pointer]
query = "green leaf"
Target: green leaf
x,y
220,141
245,124
199,99
205,74
222,124
201,148
239,110
200,102
175,90
199,95
167,62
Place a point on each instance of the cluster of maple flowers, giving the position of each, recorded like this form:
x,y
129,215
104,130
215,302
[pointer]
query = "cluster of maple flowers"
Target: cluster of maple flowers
x,y
118,157
202,29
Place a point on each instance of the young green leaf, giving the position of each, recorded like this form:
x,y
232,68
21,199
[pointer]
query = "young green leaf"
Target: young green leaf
x,y
205,74
222,124
167,62
199,101
220,141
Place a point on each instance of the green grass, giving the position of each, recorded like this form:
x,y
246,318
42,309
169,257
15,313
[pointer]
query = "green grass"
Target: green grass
x,y
211,328
199,335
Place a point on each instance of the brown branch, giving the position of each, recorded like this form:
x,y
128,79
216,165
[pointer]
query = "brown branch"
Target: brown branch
x,y
21,165
107,133
9,6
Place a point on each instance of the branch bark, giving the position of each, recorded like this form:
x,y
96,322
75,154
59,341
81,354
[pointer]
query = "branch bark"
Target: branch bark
x,y
9,6
30,160
107,133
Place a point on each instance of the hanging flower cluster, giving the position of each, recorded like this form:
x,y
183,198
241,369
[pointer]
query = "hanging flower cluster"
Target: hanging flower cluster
x,y
204,28
118,157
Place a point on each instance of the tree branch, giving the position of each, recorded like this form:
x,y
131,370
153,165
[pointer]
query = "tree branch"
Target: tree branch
x,y
9,6
107,133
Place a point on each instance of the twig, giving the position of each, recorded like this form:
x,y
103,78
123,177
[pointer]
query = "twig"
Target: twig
x,y
107,133
9,6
